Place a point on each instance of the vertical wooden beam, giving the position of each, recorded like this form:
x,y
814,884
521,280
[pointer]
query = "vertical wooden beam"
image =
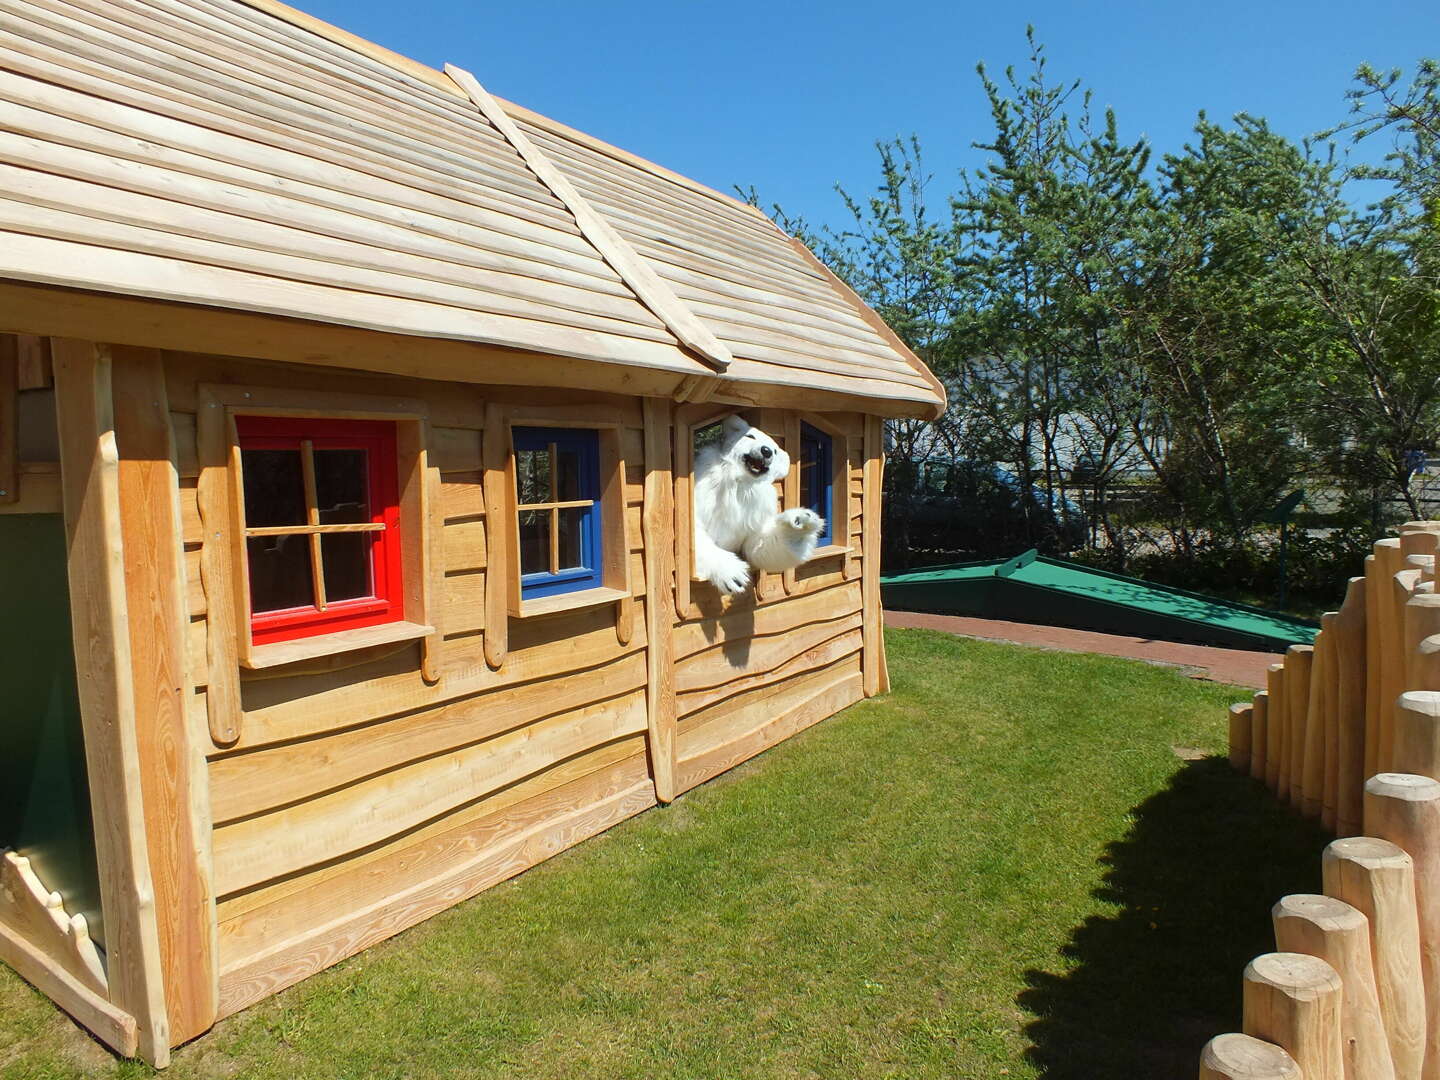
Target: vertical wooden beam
x,y
500,528
1378,879
221,570
1260,722
419,547
1242,727
9,419
659,532
791,421
1293,1001
1405,809
1299,660
873,668
91,492
1276,756
1339,934
1351,682
35,367
170,766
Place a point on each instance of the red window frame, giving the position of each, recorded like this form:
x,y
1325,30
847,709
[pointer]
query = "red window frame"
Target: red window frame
x,y
379,441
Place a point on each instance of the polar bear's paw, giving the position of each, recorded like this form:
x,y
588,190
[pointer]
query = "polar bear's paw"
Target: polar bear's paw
x,y
727,572
803,521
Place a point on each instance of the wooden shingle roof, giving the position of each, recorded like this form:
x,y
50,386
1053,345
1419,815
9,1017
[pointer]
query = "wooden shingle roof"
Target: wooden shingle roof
x,y
239,154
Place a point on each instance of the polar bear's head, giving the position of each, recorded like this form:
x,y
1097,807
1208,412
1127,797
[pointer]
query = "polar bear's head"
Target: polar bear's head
x,y
750,453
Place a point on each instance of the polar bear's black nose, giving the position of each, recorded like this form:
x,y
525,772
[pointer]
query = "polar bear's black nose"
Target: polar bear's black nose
x,y
766,452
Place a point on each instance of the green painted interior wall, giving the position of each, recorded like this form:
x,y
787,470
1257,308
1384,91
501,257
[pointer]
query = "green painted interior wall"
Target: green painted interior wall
x,y
44,794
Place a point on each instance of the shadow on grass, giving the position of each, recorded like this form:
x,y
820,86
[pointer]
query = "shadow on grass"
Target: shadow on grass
x,y
1194,879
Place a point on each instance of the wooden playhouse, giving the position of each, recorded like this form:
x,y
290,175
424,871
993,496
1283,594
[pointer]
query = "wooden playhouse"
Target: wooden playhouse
x,y
346,425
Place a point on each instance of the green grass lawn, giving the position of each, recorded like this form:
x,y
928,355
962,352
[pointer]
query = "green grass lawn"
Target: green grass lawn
x,y
1017,864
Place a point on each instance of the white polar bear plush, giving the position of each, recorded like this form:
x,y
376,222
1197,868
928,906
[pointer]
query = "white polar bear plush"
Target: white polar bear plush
x,y
737,512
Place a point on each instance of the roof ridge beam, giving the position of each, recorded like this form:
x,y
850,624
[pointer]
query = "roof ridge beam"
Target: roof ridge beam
x,y
642,280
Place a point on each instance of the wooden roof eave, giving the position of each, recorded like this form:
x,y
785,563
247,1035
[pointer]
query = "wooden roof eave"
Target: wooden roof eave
x,y
58,311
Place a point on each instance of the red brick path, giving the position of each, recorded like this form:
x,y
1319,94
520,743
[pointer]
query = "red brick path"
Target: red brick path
x,y
1233,666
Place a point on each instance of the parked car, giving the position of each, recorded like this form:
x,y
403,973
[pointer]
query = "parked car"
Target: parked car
x,y
949,510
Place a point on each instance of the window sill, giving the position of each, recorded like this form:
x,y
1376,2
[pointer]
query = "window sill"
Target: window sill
x,y
829,550
289,652
571,601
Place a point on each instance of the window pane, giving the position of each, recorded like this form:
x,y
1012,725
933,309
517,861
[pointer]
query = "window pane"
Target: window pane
x,y
279,573
567,475
345,561
534,541
341,487
573,524
274,487
532,475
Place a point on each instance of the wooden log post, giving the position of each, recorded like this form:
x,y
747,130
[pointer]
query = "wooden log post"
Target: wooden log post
x,y
1299,660
1234,1056
1417,733
1312,760
1259,731
1393,664
1377,878
1293,1001
1339,934
1276,758
1418,541
1242,729
1330,725
1405,809
1350,682
1376,593
1422,622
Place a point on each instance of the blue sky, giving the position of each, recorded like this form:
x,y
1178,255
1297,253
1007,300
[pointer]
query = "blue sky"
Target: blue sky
x,y
791,96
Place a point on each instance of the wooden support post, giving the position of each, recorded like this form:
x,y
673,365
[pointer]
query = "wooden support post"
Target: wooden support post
x,y
1242,724
876,676
1405,809
1350,682
1260,728
1340,935
1241,1057
216,496
1417,733
1312,758
500,534
1299,660
658,527
1378,879
1293,1001
1277,756
90,483
172,770
9,419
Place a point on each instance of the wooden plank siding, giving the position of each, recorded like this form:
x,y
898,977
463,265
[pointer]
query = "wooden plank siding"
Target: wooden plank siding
x,y
360,796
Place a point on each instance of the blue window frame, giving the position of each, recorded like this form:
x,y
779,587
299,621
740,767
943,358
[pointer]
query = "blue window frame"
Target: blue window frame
x,y
557,500
817,477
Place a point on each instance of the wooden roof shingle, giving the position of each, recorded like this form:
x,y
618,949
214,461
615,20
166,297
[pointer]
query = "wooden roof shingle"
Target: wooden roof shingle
x,y
240,154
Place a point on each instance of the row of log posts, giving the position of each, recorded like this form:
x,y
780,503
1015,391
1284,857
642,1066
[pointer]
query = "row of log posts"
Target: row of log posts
x,y
1348,732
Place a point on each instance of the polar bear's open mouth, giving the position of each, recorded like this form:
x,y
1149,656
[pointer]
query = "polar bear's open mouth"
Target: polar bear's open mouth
x,y
757,465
